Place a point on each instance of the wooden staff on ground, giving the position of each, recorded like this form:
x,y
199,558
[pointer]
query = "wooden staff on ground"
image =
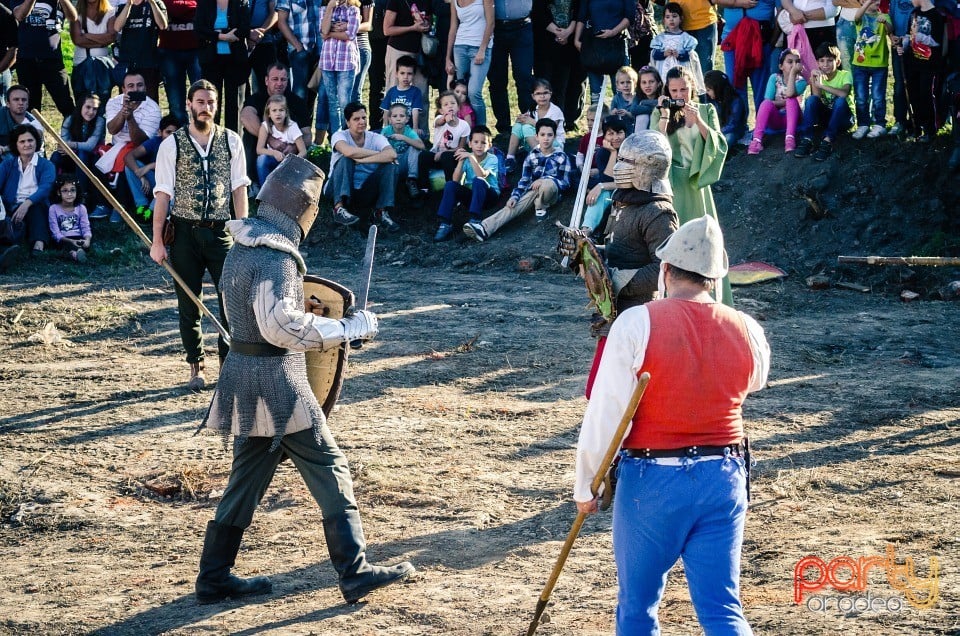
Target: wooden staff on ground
x,y
931,261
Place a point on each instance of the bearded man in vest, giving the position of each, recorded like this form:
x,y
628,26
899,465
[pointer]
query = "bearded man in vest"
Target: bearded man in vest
x,y
201,180
682,487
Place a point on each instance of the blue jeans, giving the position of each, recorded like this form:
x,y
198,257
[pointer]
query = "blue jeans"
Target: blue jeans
x,y
846,37
366,55
302,64
837,118
516,45
338,86
265,165
377,188
757,79
706,46
872,82
178,68
139,198
694,512
596,82
476,74
478,197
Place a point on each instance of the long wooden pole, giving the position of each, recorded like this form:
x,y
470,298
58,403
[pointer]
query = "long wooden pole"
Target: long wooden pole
x,y
105,191
931,261
594,487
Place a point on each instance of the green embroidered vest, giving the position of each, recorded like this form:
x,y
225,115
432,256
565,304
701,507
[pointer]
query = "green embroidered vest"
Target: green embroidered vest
x,y
202,191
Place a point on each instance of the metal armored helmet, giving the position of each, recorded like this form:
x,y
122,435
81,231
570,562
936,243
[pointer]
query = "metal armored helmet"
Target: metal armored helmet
x,y
294,189
696,247
643,162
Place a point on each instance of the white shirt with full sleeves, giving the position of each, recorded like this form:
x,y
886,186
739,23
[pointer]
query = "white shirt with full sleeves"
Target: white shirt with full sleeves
x,y
166,170
616,379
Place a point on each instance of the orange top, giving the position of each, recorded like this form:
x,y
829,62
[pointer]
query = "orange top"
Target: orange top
x,y
697,14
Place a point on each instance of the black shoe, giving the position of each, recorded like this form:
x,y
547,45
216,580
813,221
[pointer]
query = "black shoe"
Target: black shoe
x,y
215,583
413,191
358,577
804,148
824,151
954,162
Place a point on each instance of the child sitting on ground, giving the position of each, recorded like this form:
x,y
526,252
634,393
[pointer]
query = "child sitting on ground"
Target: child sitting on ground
x,y
651,86
584,143
731,105
871,55
466,113
407,144
140,168
475,183
624,101
524,129
404,93
449,134
615,128
675,47
831,104
69,224
545,176
780,108
278,137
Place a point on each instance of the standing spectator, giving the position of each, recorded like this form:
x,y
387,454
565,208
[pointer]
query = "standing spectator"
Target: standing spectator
x,y
9,42
139,23
141,165
26,179
299,23
675,47
700,21
366,51
277,83
922,50
604,19
846,30
513,44
900,12
469,49
339,57
223,27
554,23
642,30
404,23
14,114
404,92
40,58
177,49
378,62
92,33
871,56
762,12
262,42
202,170
817,18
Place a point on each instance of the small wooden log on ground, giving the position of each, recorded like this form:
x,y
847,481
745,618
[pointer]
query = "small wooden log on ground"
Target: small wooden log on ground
x,y
929,261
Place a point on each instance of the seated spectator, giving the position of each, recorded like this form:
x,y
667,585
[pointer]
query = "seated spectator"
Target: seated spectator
x,y
780,108
651,86
524,129
830,105
26,179
615,130
140,165
584,143
130,121
475,183
138,24
362,170
450,133
404,92
466,112
15,114
408,146
82,131
279,136
69,224
731,105
93,32
40,56
545,176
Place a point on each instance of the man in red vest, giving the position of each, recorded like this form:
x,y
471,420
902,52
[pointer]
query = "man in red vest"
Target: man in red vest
x,y
682,489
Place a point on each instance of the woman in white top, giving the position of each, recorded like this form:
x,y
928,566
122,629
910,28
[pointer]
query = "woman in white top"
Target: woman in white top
x,y
817,18
469,48
92,33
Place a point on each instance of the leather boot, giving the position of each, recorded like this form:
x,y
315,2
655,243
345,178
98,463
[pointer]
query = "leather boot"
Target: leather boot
x,y
215,583
358,578
197,380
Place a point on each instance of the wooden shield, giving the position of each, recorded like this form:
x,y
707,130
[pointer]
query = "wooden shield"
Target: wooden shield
x,y
325,369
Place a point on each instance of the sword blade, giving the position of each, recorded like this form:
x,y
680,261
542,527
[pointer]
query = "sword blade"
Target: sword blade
x,y
363,294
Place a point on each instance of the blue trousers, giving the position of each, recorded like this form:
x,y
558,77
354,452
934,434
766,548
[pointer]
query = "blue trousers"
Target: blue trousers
x,y
178,68
366,56
837,118
476,77
694,512
478,197
870,89
706,46
139,198
758,78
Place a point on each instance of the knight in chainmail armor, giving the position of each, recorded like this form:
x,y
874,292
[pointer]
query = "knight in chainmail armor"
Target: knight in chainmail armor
x,y
263,396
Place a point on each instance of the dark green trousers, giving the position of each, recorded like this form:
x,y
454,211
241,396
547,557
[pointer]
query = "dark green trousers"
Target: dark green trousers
x,y
196,250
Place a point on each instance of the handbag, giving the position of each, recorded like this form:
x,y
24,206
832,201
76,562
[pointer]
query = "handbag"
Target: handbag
x,y
602,55
168,232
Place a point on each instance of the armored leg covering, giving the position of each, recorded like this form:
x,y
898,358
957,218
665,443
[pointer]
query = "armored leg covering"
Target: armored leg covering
x,y
347,548
215,583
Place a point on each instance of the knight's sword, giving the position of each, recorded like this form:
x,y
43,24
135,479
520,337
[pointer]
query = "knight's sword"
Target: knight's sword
x,y
366,271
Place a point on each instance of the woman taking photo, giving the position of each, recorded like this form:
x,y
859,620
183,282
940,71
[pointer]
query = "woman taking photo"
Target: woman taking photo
x,y
26,179
699,149
469,48
223,27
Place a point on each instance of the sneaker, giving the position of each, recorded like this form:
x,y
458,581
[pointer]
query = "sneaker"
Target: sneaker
x,y
382,217
755,147
876,130
804,148
100,212
342,216
115,216
923,138
412,190
896,129
444,233
860,132
540,214
474,230
789,144
510,164
747,139
824,151
81,255
144,213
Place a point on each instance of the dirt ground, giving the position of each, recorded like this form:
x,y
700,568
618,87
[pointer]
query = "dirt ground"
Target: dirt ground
x,y
460,423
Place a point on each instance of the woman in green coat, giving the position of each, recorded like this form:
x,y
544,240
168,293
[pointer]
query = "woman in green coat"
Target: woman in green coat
x,y
699,149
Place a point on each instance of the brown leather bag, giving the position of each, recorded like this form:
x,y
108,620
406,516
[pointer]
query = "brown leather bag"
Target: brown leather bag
x,y
168,232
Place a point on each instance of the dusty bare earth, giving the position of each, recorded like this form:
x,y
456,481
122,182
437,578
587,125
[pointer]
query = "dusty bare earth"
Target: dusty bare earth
x,y
460,423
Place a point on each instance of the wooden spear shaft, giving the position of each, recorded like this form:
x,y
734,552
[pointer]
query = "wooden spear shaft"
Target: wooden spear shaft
x,y
612,450
931,261
105,191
